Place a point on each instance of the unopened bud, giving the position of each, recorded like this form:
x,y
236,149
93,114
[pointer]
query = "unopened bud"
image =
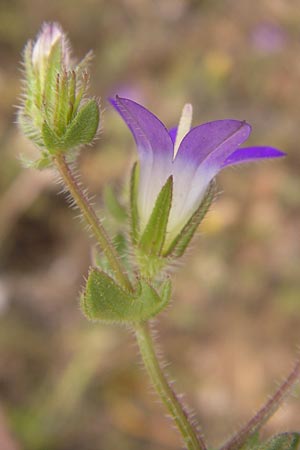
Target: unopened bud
x,y
56,114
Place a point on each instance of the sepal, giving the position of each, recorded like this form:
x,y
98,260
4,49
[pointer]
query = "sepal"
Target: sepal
x,y
180,243
81,130
104,300
154,235
84,126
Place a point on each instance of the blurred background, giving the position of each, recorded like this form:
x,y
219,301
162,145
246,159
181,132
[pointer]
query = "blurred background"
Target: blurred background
x,y
233,329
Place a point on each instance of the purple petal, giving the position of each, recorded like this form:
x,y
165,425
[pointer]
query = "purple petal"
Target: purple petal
x,y
200,157
155,148
247,154
149,132
213,141
173,134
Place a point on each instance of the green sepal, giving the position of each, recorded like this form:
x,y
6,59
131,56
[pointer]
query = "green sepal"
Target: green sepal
x,y
134,217
115,208
84,126
52,142
81,130
29,129
283,441
180,243
154,236
54,64
41,163
29,76
106,301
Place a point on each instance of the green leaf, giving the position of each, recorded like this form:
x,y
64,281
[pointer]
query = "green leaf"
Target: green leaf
x,y
134,180
154,236
284,441
251,443
84,126
106,301
180,243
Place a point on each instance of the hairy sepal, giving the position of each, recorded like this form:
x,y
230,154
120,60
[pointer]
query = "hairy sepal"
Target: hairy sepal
x,y
104,300
154,236
81,130
182,240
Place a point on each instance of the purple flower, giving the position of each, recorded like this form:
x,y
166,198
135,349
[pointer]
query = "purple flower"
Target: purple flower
x,y
268,38
193,156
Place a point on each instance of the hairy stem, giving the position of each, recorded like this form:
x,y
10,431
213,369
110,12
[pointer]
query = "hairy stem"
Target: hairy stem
x,y
265,412
91,218
192,440
189,434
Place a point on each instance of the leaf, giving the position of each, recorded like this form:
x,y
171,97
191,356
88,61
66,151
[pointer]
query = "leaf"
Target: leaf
x,y
251,443
284,441
154,236
180,243
106,301
84,126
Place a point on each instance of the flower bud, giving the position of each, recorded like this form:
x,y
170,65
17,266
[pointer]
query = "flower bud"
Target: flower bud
x,y
50,35
55,113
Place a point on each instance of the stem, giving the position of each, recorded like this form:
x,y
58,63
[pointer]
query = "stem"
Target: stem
x,y
189,434
91,218
265,412
192,440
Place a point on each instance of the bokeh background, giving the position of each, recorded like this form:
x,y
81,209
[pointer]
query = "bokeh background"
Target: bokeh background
x,y
233,329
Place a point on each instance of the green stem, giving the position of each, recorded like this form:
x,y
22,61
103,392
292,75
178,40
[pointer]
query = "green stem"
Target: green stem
x,y
91,218
160,383
189,434
268,409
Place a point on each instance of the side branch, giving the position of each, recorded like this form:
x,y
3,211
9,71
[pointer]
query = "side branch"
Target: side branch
x,y
265,412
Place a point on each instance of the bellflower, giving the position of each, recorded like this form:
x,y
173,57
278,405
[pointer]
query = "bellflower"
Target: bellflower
x,y
192,156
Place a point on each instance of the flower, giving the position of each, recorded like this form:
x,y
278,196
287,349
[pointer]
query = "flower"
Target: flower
x,y
192,156
55,113
50,36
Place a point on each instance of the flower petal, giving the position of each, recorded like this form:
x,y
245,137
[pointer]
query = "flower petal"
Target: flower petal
x,y
155,148
247,154
199,158
213,139
173,133
148,131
